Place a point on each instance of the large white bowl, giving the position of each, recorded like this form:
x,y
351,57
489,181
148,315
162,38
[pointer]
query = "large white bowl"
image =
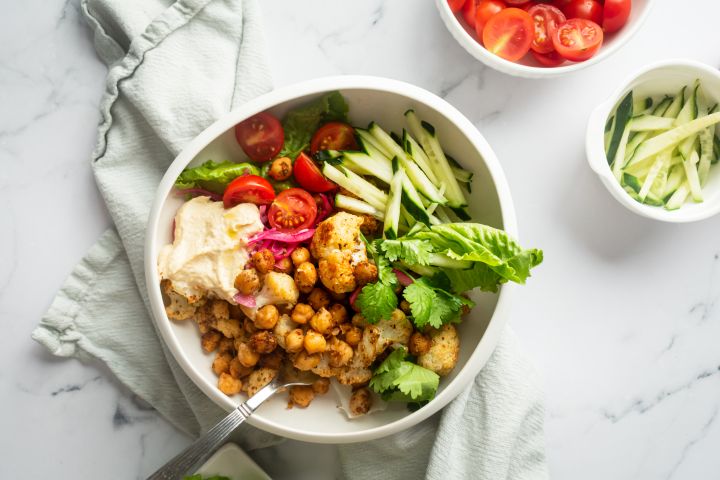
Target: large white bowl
x,y
370,98
658,79
466,37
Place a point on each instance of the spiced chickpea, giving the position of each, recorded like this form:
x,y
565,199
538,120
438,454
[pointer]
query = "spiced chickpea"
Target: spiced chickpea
x,y
300,255
302,313
322,321
360,401
247,281
249,325
353,336
272,360
339,313
365,272
340,353
405,306
263,341
301,395
226,345
314,342
263,260
318,298
321,386
221,363
210,340
267,317
359,321
419,344
306,276
247,356
280,169
284,265
305,361
228,384
237,370
294,340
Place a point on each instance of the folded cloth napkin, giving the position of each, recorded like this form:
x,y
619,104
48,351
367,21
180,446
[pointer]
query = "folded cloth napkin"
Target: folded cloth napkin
x,y
174,68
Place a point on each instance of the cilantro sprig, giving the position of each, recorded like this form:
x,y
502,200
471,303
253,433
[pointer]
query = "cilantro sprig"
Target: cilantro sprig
x,y
397,379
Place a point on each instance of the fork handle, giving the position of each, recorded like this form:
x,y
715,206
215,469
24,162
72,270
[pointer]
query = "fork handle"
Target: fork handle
x,y
202,448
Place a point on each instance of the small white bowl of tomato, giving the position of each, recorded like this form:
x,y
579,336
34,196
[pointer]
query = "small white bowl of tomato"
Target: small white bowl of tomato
x,y
538,39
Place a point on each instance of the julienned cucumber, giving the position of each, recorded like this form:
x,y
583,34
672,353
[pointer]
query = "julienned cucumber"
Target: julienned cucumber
x,y
663,154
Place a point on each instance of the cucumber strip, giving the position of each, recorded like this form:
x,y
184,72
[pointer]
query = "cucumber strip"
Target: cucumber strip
x,y
367,141
662,107
608,131
706,154
675,179
438,162
375,165
442,215
657,189
687,145
413,171
631,182
692,176
689,111
353,204
357,185
392,211
622,117
634,143
413,148
442,260
662,160
618,161
646,123
678,198
641,104
673,137
716,149
674,109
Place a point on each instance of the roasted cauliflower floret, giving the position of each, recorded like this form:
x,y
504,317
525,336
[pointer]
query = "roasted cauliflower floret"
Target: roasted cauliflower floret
x,y
337,246
444,350
177,306
258,379
284,326
278,289
376,338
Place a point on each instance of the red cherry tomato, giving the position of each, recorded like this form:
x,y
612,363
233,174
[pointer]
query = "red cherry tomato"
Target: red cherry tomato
x,y
294,209
309,176
468,12
248,189
578,39
561,3
456,5
508,34
484,11
587,9
333,136
546,19
552,59
261,136
616,14
516,2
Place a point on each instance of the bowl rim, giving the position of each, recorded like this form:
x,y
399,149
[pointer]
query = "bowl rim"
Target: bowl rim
x,y
595,151
472,46
499,316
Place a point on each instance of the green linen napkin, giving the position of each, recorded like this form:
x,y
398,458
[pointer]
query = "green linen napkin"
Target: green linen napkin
x,y
174,68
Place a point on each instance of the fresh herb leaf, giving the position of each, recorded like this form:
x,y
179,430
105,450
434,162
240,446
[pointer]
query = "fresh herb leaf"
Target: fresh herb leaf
x,y
433,306
397,379
377,301
213,176
300,123
414,252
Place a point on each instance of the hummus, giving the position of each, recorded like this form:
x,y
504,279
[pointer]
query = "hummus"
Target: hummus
x,y
209,249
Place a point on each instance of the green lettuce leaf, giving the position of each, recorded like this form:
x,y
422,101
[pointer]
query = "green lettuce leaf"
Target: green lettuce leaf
x,y
213,176
397,379
300,123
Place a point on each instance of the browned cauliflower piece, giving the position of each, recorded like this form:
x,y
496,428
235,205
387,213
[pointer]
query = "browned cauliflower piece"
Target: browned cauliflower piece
x,y
177,307
444,350
258,379
337,246
284,326
278,289
376,338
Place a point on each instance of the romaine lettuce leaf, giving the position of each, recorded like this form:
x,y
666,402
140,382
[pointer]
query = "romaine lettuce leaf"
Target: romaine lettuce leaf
x,y
213,176
397,379
300,123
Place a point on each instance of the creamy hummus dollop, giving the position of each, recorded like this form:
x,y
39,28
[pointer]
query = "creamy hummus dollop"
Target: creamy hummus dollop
x,y
209,249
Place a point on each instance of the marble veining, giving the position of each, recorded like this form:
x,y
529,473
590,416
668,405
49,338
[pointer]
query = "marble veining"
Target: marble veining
x,y
622,318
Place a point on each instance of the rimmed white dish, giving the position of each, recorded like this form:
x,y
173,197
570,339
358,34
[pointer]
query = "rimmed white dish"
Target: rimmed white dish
x,y
369,98
612,43
657,79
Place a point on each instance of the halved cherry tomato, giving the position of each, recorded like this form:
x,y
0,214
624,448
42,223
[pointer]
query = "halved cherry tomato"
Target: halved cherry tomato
x,y
248,189
333,136
456,5
616,14
552,59
516,2
484,11
468,12
309,176
509,33
578,39
546,19
261,136
294,209
587,9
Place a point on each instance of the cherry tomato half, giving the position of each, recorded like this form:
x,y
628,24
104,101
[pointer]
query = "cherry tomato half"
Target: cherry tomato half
x,y
508,34
261,136
587,9
309,176
552,59
616,14
294,209
333,136
516,2
546,19
484,11
248,189
468,12
578,39
456,5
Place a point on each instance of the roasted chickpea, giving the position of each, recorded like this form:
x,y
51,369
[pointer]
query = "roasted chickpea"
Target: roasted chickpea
x,y
306,277
210,340
360,401
263,260
318,298
302,313
267,317
322,321
228,384
340,353
237,370
304,361
221,363
314,342
300,255
249,325
365,272
301,396
359,321
339,313
338,297
280,169
353,336
321,386
263,341
226,345
272,360
294,340
247,356
418,344
284,265
405,306
247,281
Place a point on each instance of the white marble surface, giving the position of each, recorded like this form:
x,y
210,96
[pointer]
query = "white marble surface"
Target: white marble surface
x,y
623,317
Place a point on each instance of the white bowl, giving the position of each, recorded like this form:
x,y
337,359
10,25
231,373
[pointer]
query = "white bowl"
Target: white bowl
x,y
369,98
612,43
658,79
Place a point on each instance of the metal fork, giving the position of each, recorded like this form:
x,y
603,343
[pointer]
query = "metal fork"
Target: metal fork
x,y
193,456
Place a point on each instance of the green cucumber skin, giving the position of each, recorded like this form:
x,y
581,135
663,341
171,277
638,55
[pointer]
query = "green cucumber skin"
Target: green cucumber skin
x,y
622,117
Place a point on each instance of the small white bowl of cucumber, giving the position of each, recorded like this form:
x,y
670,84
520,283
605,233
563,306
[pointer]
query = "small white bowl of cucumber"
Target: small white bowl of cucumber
x,y
655,143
